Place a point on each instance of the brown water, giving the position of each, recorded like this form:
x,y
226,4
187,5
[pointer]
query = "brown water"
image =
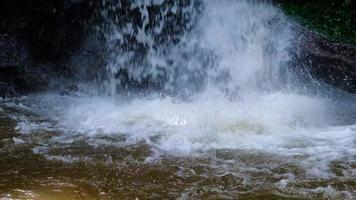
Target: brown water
x,y
81,171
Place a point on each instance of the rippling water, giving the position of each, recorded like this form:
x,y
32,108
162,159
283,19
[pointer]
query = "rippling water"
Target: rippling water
x,y
229,120
96,147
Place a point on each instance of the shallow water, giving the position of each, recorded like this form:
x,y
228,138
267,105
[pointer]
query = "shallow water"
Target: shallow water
x,y
158,148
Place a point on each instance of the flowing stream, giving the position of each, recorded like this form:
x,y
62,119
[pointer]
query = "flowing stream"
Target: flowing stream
x,y
197,101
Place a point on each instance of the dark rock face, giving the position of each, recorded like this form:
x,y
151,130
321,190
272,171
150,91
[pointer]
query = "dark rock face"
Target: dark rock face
x,y
14,59
17,72
37,38
52,29
327,61
13,53
7,90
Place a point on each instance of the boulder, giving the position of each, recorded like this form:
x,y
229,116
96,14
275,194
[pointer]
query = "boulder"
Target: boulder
x,y
328,61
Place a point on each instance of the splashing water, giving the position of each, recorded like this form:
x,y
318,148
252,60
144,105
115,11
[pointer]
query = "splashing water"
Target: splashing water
x,y
217,81
232,45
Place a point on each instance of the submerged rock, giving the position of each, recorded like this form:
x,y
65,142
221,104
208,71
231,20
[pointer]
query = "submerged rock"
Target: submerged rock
x,y
327,61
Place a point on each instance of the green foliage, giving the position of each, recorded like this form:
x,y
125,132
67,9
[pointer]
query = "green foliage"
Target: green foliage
x,y
334,18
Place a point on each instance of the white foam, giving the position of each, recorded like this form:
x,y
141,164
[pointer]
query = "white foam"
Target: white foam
x,y
284,124
26,126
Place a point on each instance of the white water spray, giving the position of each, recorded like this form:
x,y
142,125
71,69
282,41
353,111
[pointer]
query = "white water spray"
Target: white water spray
x,y
230,45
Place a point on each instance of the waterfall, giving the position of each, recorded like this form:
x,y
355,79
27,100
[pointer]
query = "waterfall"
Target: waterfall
x,y
186,47
201,76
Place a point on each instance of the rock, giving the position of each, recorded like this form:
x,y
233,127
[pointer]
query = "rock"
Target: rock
x,y
13,53
52,29
92,55
70,90
37,37
17,72
328,61
14,57
7,91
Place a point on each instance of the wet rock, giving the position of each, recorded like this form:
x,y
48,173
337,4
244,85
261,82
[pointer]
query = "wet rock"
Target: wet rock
x,y
7,90
70,90
37,37
88,62
14,58
52,29
13,53
327,61
23,79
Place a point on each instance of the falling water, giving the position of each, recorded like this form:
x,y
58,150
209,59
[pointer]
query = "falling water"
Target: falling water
x,y
195,79
227,45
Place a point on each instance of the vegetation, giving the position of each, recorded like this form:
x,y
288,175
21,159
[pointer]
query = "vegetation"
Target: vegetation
x,y
334,18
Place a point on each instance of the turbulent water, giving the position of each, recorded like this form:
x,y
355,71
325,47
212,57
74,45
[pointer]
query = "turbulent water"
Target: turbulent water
x,y
198,97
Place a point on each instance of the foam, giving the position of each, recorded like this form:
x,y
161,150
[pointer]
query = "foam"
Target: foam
x,y
283,124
